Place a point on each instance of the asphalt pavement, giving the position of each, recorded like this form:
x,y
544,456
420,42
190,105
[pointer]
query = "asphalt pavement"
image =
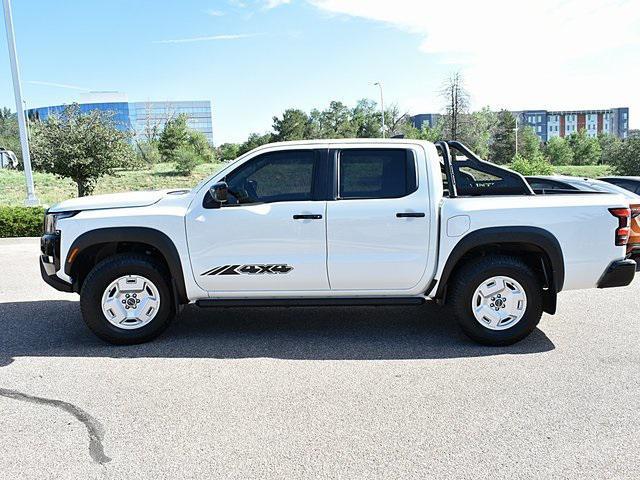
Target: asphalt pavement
x,y
314,393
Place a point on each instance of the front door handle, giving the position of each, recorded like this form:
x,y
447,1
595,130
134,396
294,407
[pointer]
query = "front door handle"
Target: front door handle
x,y
410,214
307,217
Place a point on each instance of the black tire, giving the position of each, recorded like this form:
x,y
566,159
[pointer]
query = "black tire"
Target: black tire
x,y
472,275
99,279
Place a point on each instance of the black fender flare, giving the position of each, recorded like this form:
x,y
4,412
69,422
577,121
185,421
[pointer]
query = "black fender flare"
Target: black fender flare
x,y
525,235
150,236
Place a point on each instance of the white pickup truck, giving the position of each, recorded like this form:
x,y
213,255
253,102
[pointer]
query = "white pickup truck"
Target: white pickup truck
x,y
337,222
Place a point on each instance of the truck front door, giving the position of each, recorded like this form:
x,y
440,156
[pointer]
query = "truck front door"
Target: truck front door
x,y
271,235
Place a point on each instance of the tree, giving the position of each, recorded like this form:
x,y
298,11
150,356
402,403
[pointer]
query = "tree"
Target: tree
x,y
9,133
586,149
477,130
626,158
529,143
80,146
366,119
335,121
456,105
431,134
254,141
294,125
558,151
228,151
608,145
198,142
175,135
503,146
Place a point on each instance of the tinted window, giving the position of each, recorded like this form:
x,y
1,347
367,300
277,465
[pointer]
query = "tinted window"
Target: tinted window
x,y
273,177
370,173
549,185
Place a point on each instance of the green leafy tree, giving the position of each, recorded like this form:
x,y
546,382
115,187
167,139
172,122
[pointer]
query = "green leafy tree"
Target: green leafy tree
x,y
80,146
9,133
558,151
199,143
174,135
335,122
586,149
626,157
228,151
294,125
529,143
431,134
477,129
608,146
503,144
254,141
366,119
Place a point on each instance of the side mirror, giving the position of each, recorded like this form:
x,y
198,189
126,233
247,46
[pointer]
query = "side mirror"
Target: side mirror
x,y
219,192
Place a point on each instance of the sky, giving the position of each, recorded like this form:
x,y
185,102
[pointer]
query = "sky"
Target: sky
x,y
254,58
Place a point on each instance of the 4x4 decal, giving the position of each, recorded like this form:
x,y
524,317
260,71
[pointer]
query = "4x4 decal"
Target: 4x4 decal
x,y
253,269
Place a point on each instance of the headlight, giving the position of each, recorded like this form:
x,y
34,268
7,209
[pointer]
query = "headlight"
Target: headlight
x,y
51,220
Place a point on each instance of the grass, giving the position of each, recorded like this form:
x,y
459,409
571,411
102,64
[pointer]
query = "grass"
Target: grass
x,y
51,189
590,171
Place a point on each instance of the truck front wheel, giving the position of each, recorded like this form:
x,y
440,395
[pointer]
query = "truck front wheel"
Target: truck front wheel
x,y
126,299
497,300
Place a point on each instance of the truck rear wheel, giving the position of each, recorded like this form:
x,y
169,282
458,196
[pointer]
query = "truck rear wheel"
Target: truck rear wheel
x,y
126,299
497,300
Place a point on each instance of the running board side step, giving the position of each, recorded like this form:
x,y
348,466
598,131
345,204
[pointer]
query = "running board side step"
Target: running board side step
x,y
308,302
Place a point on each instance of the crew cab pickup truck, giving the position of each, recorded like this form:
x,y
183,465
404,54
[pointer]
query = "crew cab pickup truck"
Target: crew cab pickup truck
x,y
337,222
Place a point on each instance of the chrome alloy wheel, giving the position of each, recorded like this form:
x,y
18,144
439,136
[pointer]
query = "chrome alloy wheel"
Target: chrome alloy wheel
x,y
130,302
499,303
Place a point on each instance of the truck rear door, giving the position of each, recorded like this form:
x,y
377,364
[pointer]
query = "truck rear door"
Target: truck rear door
x,y
378,222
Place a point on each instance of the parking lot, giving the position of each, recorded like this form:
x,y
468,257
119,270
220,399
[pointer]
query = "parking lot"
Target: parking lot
x,y
386,392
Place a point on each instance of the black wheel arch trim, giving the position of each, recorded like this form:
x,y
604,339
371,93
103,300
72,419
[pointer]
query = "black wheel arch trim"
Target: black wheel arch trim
x,y
146,235
534,236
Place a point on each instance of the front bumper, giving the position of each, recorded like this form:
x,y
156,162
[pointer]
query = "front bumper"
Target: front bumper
x,y
50,262
619,274
48,273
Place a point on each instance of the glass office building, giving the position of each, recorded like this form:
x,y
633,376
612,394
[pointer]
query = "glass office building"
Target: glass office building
x,y
142,118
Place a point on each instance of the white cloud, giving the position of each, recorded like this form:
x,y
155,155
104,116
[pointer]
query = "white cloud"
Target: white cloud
x,y
209,38
215,13
521,54
276,3
58,85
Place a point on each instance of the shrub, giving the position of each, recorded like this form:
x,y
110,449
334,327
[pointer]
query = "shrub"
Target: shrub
x,y
186,161
537,166
148,153
21,221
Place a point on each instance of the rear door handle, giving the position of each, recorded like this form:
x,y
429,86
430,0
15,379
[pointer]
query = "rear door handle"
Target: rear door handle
x,y
307,217
410,214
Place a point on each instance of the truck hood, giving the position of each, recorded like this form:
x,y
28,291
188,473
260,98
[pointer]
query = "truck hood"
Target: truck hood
x,y
113,200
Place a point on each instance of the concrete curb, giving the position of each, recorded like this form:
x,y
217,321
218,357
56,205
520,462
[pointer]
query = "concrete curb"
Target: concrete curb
x,y
19,240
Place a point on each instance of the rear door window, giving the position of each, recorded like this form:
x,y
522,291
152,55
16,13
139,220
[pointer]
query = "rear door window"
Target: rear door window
x,y
376,173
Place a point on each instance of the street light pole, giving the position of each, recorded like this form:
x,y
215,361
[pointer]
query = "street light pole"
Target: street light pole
x,y
17,91
381,105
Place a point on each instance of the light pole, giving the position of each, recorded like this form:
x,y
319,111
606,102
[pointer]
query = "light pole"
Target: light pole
x,y
379,84
17,91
